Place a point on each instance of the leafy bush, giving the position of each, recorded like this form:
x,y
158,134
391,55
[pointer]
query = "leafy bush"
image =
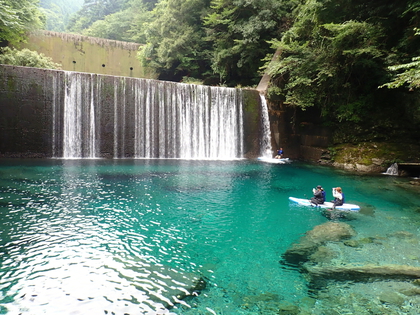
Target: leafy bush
x,y
17,17
26,58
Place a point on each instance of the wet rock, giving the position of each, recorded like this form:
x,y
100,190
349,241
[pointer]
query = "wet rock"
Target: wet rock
x,y
412,291
330,232
267,303
323,254
391,297
287,308
319,235
362,272
378,161
307,302
402,235
352,243
339,214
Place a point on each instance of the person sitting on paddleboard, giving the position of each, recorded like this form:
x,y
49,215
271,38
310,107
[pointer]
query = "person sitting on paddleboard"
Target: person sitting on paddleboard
x,y
338,197
319,195
279,154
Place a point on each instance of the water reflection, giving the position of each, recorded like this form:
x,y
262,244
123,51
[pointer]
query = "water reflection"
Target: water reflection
x,y
183,237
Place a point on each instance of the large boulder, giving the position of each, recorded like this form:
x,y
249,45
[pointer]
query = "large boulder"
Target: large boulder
x,y
319,235
356,272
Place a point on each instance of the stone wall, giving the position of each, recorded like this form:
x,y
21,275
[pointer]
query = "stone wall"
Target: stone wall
x,y
25,106
298,132
89,54
32,105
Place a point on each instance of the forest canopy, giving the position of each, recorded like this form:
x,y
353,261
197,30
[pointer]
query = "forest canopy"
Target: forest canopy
x,y
58,13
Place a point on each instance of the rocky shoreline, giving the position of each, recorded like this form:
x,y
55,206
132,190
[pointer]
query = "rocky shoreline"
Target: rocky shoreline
x,y
370,157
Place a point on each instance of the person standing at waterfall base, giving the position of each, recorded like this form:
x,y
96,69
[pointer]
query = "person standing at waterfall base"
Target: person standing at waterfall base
x,y
338,197
279,154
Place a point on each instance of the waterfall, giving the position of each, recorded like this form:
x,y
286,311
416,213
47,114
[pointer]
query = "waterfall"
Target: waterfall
x,y
266,150
79,139
392,170
141,118
188,121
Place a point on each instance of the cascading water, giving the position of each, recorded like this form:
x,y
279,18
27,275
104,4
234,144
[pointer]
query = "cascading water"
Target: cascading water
x,y
148,119
188,121
266,149
392,170
79,130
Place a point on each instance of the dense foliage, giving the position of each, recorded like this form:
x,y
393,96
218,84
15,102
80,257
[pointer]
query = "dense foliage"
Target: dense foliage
x,y
336,55
26,58
92,11
58,13
239,32
16,18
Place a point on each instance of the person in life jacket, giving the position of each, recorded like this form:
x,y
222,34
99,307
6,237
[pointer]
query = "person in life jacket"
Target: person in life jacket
x,y
319,195
279,154
338,197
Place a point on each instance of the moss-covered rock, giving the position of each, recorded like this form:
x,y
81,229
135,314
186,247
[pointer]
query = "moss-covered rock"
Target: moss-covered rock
x,y
371,156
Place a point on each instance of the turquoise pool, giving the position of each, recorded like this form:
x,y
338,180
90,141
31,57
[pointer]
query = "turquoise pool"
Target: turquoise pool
x,y
125,236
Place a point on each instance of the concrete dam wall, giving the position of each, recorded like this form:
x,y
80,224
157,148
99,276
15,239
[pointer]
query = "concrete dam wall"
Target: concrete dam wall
x,y
62,114
89,54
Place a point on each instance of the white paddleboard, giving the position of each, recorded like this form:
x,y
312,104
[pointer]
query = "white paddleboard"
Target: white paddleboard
x,y
326,204
274,161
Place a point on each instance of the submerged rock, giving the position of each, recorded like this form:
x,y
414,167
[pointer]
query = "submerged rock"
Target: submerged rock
x,y
323,254
163,284
319,235
339,214
391,297
402,235
362,272
287,308
352,243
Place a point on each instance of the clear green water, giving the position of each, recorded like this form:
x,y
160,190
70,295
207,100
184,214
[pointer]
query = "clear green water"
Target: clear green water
x,y
109,236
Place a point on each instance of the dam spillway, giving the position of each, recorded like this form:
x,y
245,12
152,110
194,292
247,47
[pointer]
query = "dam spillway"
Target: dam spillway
x,y
63,114
157,119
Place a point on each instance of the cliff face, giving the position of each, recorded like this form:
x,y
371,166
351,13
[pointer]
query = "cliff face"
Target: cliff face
x,y
298,132
303,136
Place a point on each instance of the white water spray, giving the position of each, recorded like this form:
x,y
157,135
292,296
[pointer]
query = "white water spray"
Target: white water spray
x,y
79,128
392,170
149,119
266,149
188,122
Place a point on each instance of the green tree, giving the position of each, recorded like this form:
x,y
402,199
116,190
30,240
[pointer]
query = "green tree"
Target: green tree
x,y
18,17
94,10
58,12
408,77
26,58
176,45
126,25
335,54
239,30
